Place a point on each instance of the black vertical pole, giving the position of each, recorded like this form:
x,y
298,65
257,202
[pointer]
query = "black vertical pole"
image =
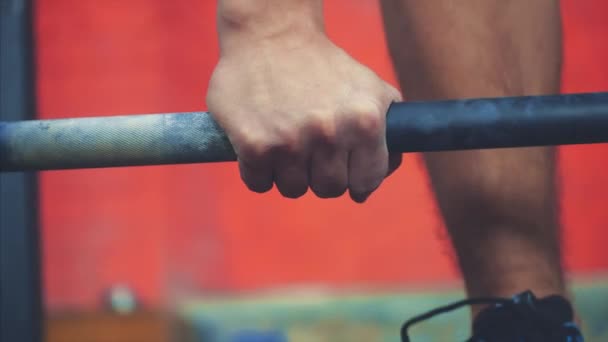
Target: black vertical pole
x,y
20,286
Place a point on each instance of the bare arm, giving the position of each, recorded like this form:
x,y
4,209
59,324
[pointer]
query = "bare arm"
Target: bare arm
x,y
495,202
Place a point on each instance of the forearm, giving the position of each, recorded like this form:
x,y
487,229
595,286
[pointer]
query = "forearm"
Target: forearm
x,y
243,23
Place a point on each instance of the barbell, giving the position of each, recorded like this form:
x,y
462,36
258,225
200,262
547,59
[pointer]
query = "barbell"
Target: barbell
x,y
416,126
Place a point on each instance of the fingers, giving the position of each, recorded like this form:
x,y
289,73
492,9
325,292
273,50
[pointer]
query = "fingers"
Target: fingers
x,y
368,161
291,176
329,161
330,152
329,172
368,166
256,175
280,160
325,172
254,158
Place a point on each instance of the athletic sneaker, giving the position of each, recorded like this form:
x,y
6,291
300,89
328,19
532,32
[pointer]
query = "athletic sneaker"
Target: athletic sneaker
x,y
523,318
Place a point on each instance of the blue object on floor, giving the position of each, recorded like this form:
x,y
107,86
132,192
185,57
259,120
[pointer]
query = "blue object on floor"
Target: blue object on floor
x,y
258,336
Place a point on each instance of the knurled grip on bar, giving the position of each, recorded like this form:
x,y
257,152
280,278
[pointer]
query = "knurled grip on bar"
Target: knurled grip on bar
x,y
154,139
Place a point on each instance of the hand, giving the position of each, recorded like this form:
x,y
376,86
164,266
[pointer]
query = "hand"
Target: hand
x,y
302,113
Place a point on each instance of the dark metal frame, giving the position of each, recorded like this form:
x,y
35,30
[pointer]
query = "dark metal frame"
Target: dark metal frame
x,y
20,276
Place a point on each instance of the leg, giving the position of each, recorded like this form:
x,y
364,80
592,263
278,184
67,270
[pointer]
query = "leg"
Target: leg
x,y
499,205
500,211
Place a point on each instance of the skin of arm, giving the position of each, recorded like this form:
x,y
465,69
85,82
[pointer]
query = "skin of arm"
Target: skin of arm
x,y
300,112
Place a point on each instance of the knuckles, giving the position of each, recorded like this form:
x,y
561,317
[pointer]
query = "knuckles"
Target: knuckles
x,y
347,126
252,148
323,130
361,121
369,126
265,148
367,121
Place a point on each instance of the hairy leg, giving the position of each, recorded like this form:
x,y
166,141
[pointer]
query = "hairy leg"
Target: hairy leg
x,y
499,205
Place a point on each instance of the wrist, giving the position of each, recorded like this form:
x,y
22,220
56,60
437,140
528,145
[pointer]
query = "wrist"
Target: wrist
x,y
247,23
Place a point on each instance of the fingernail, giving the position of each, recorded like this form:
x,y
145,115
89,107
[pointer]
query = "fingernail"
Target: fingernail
x,y
360,198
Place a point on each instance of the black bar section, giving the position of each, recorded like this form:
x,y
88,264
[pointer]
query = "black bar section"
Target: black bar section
x,y
498,122
20,287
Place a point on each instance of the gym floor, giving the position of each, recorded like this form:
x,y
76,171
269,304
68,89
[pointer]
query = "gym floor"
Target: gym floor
x,y
319,316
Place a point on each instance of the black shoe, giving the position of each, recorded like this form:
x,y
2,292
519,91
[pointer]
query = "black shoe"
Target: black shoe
x,y
523,318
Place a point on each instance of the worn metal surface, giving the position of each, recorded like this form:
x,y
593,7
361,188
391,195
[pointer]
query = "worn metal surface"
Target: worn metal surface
x,y
113,141
411,127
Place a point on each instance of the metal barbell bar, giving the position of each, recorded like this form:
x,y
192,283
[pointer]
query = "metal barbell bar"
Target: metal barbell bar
x,y
154,139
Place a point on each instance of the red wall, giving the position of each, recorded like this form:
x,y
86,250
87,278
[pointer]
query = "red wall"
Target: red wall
x,y
166,229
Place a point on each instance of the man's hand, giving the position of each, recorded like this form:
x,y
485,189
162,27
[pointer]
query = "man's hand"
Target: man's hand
x,y
302,113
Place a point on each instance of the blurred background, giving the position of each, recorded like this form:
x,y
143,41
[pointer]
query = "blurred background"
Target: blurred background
x,y
186,253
